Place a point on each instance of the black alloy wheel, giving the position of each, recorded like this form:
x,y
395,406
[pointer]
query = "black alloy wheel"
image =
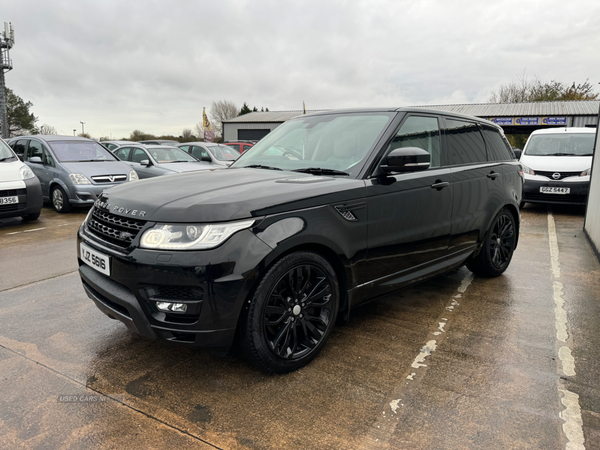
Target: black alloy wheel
x,y
292,313
498,247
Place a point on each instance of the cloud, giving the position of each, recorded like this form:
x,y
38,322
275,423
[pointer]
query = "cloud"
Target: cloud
x,y
150,65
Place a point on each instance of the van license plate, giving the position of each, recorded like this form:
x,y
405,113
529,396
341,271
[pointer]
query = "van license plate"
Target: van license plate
x,y
554,190
94,259
9,200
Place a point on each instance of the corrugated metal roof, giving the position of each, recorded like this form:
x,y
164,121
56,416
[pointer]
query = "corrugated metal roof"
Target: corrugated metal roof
x,y
571,108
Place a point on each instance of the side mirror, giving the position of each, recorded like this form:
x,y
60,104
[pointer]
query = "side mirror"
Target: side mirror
x,y
35,160
408,159
518,152
145,162
206,159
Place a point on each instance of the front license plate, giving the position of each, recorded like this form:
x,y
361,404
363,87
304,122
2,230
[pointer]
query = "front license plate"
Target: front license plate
x,y
94,259
9,200
554,190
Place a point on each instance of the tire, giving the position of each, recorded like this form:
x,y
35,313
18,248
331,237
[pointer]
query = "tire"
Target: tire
x,y
60,201
291,315
32,216
498,247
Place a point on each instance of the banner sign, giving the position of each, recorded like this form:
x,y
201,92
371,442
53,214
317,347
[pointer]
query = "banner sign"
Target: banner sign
x,y
504,121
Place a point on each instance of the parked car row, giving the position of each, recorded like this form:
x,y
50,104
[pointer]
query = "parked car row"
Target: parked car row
x,y
73,171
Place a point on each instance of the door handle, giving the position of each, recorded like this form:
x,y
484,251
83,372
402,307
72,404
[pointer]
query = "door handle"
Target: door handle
x,y
492,175
439,185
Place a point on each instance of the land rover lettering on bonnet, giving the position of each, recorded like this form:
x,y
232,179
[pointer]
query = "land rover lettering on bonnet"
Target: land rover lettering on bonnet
x,y
328,211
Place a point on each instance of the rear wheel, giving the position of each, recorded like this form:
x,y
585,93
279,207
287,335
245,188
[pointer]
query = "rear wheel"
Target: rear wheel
x,y
291,314
498,247
60,201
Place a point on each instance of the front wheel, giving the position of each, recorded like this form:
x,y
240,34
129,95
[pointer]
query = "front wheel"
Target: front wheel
x,y
291,314
60,201
498,247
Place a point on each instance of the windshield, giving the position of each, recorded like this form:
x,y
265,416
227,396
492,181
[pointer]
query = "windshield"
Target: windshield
x,y
6,154
335,142
561,144
224,152
170,155
80,151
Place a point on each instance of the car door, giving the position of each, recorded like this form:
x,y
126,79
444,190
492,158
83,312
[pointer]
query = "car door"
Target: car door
x,y
410,214
36,150
476,184
138,155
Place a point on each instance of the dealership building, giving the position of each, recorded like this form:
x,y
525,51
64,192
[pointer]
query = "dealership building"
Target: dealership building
x,y
514,118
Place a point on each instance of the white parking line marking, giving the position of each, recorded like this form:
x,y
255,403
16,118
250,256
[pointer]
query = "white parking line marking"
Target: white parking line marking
x,y
573,426
34,229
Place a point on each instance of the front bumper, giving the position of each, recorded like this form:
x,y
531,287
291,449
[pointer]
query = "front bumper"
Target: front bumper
x,y
30,199
87,194
212,283
578,192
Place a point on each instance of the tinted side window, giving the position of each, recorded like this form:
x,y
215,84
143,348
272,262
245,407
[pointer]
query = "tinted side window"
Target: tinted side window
x,y
19,148
421,132
496,147
35,149
49,159
123,153
139,155
199,152
464,142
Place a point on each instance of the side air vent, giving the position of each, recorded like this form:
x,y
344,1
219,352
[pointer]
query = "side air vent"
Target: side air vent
x,y
347,210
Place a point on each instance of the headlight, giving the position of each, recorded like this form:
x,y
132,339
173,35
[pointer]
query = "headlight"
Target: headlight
x,y
527,170
26,173
133,176
585,173
190,237
78,178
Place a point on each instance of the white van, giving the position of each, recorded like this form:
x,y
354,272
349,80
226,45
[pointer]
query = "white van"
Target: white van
x,y
20,190
557,164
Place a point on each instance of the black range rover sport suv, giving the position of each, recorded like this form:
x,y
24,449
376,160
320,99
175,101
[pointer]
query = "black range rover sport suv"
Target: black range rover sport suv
x,y
328,211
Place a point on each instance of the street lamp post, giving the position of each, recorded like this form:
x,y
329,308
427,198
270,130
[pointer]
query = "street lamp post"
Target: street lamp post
x,y
82,124
74,131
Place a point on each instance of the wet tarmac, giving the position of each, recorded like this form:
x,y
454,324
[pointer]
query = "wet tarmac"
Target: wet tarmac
x,y
458,362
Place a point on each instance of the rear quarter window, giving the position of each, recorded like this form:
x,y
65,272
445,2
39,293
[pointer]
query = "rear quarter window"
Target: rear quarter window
x,y
464,142
497,148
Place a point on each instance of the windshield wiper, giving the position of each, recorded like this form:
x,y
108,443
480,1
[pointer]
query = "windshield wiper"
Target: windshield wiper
x,y
320,171
6,159
560,154
260,166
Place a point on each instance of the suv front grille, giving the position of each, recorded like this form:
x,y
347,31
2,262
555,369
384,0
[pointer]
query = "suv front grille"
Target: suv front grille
x,y
117,230
562,174
109,178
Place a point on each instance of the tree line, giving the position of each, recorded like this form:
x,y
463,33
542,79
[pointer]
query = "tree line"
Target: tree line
x,y
524,90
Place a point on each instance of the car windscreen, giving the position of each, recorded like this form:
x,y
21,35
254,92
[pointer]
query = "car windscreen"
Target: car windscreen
x,y
224,152
6,154
335,142
81,151
564,144
165,154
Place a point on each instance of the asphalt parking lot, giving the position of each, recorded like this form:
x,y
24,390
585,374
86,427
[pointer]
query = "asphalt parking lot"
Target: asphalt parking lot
x,y
458,362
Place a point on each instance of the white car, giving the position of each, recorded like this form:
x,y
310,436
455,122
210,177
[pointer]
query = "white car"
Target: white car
x,y
20,190
557,164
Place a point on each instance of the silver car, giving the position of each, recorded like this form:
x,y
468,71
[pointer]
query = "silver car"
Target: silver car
x,y
217,155
73,171
155,160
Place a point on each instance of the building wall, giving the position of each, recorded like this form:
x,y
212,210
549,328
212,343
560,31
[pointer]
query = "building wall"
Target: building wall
x,y
230,130
592,215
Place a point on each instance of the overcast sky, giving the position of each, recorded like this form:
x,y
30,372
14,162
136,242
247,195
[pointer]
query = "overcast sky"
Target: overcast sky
x,y
152,65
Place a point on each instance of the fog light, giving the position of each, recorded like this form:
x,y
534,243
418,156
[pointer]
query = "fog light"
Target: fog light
x,y
163,306
171,307
179,307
